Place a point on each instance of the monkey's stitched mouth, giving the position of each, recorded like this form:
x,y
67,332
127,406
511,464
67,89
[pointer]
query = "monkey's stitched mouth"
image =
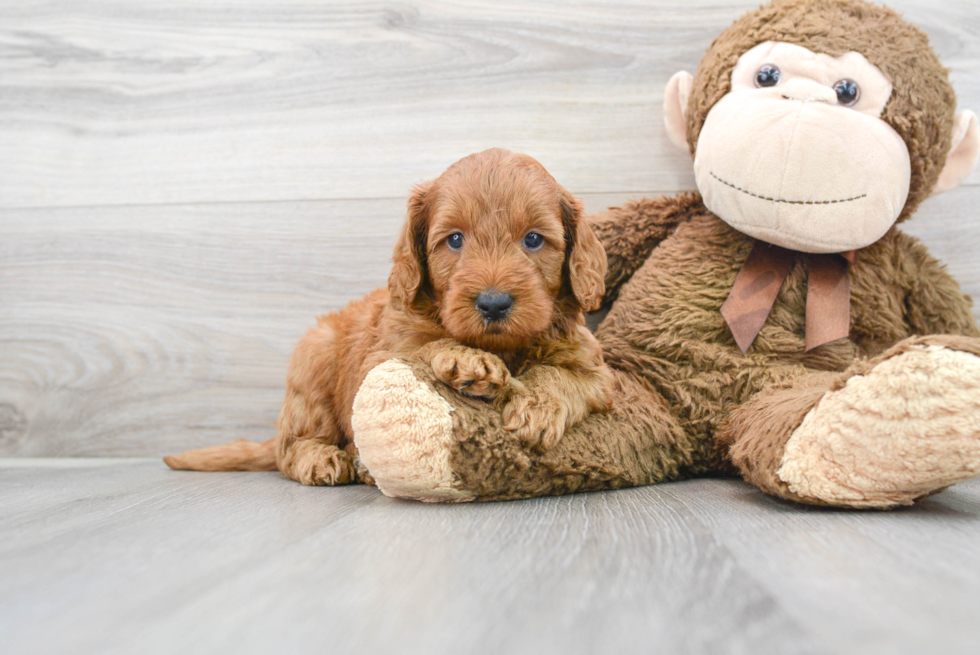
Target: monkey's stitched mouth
x,y
788,202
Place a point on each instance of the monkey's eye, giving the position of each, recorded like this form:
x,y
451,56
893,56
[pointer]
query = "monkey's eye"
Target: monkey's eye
x,y
533,241
847,91
768,75
455,241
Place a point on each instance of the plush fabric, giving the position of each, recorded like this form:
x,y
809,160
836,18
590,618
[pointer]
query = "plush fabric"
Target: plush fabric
x,y
842,455
804,175
403,405
920,109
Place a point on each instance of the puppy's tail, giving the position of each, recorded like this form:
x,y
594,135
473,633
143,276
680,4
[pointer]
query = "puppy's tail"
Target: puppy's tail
x,y
239,455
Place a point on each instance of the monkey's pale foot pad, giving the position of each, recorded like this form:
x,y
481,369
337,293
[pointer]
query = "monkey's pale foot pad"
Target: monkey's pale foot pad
x,y
908,428
403,430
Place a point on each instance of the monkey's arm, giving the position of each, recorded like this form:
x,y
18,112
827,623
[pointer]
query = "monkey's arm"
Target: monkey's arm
x,y
630,233
934,303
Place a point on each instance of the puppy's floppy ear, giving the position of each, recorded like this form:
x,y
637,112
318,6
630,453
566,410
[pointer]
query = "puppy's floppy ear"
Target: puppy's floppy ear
x,y
585,257
409,259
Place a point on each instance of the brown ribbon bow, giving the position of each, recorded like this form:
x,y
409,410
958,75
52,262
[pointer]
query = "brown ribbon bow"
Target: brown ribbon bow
x,y
828,296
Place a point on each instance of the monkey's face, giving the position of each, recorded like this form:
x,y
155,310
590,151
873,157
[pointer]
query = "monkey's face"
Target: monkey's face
x,y
796,154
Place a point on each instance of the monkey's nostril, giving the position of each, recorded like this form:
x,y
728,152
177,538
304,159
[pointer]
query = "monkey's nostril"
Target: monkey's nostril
x,y
493,304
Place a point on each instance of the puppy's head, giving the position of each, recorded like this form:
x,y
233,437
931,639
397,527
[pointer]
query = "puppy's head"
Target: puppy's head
x,y
498,251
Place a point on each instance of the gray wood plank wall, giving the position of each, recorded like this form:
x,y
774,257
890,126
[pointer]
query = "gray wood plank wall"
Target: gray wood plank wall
x,y
183,186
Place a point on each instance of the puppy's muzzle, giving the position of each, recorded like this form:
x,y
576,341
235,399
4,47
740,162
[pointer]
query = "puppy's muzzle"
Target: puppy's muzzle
x,y
494,305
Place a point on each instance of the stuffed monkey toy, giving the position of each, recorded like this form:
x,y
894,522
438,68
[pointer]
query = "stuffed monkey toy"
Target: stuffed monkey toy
x,y
777,324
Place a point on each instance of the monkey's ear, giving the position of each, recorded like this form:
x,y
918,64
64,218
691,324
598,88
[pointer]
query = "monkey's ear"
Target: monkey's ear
x,y
584,255
963,152
409,259
675,108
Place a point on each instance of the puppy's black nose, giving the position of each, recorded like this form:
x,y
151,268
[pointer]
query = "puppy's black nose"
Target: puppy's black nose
x,y
493,304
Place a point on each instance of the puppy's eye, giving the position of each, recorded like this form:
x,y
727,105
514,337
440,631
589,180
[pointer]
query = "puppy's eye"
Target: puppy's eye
x,y
455,241
768,75
848,92
533,241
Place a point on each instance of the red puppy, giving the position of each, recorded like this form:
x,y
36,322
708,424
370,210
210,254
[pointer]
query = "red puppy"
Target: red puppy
x,y
491,274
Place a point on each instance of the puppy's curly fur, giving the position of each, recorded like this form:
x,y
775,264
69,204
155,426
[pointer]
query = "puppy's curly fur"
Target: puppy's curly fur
x,y
466,233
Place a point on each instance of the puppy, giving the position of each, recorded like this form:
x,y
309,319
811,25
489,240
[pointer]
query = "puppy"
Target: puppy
x,y
491,274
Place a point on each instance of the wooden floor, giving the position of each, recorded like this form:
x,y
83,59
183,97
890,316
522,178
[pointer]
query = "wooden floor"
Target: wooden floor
x,y
125,556
184,185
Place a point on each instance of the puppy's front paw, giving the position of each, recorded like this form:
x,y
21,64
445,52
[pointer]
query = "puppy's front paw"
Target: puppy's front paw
x,y
471,371
538,420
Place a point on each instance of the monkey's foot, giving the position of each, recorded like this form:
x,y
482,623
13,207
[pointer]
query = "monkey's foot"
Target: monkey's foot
x,y
907,428
404,433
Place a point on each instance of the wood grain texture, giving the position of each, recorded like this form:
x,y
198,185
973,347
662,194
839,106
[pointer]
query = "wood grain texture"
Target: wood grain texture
x,y
106,102
136,558
130,331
